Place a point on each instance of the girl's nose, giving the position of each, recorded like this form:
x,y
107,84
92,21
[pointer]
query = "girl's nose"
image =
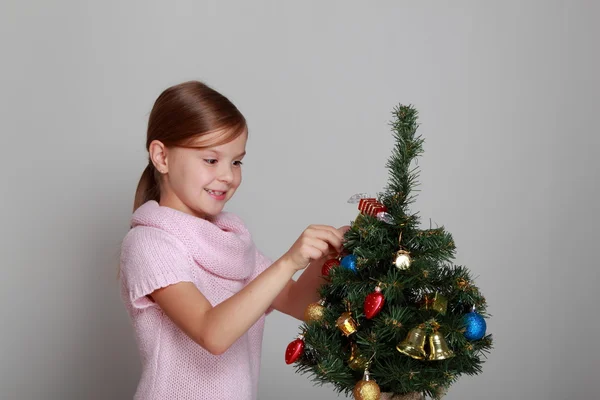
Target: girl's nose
x,y
226,174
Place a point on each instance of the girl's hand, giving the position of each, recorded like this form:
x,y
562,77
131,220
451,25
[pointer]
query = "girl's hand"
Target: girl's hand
x,y
317,241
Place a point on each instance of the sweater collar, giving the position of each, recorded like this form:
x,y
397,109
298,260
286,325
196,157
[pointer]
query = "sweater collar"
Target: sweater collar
x,y
221,245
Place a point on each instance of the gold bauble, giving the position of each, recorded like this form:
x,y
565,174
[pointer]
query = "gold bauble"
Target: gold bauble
x,y
402,259
346,323
366,389
314,312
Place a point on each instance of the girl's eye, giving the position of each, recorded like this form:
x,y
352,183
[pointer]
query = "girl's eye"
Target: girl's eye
x,y
238,163
210,161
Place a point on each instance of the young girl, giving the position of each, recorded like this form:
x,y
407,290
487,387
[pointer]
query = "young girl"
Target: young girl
x,y
195,286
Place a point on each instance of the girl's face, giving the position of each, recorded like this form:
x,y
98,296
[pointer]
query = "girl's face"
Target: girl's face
x,y
200,181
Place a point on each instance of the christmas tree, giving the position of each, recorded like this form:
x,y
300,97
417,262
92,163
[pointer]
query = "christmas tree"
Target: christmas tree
x,y
396,316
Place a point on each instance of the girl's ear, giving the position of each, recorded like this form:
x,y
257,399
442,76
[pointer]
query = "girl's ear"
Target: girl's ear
x,y
158,155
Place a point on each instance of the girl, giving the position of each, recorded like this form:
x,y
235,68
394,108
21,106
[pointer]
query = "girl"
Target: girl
x,y
195,286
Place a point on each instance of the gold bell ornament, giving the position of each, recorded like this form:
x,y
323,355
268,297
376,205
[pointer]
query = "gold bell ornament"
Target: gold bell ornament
x,y
414,344
366,389
314,311
438,348
346,323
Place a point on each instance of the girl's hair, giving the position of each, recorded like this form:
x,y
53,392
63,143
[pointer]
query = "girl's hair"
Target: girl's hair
x,y
180,115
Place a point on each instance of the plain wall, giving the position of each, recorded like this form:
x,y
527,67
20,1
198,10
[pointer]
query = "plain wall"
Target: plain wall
x,y
508,94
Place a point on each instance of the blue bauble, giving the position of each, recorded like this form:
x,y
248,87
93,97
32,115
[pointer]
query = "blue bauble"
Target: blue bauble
x,y
349,263
475,326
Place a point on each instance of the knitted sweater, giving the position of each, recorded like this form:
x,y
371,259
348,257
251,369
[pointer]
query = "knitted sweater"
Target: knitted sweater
x,y
166,246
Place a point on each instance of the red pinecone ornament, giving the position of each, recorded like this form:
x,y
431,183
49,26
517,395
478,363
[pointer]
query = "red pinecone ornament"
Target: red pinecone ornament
x,y
294,350
374,303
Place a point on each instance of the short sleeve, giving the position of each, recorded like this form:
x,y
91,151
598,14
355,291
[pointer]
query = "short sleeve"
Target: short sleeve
x,y
152,259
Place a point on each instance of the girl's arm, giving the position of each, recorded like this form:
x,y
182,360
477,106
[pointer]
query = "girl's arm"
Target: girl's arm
x,y
297,295
217,328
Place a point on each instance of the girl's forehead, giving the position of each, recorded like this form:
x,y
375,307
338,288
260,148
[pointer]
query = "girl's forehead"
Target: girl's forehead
x,y
219,139
221,145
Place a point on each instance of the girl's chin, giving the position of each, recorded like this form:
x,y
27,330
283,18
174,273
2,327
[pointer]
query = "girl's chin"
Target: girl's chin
x,y
207,213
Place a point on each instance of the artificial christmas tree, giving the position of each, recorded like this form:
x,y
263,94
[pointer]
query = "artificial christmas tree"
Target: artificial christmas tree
x,y
396,317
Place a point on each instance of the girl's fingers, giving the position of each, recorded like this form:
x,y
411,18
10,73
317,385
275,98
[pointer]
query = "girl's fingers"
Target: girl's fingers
x,y
318,244
343,229
312,253
335,240
324,239
326,242
328,228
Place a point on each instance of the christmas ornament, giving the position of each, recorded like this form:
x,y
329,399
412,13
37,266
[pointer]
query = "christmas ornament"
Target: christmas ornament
x,y
328,265
356,361
375,209
435,302
370,206
346,323
366,389
438,348
363,204
294,350
414,344
385,217
357,197
475,326
402,259
374,303
314,311
349,263
462,284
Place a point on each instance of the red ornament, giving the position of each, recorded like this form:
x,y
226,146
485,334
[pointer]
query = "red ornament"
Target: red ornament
x,y
363,203
328,265
294,350
371,207
377,209
374,303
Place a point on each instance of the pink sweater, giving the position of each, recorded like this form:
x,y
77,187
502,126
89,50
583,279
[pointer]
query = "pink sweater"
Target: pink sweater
x,y
166,246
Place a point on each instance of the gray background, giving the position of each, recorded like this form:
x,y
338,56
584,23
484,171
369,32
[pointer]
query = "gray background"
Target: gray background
x,y
508,97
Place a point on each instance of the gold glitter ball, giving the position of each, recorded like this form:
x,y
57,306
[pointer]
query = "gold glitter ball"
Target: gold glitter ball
x,y
366,390
314,312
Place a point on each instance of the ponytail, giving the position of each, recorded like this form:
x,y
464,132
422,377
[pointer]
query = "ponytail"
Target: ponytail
x,y
147,188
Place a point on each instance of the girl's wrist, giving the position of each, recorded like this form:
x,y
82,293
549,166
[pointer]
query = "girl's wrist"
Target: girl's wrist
x,y
287,263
